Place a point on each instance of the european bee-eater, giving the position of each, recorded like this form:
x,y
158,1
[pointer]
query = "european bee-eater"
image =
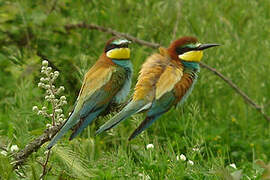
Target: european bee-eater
x,y
108,81
166,80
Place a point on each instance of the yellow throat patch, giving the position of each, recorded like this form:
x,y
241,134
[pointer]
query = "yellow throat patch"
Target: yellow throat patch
x,y
194,56
119,53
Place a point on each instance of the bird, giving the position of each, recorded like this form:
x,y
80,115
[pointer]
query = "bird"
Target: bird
x,y
107,81
165,81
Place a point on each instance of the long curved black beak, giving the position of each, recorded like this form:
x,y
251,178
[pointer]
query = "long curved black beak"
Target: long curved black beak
x,y
206,46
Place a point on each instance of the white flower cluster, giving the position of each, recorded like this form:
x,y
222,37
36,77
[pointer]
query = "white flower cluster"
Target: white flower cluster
x,y
51,95
182,157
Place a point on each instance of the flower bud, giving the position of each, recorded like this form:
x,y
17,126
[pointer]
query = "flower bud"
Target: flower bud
x,y
190,162
40,85
35,108
56,74
45,63
49,69
42,79
58,111
47,86
63,98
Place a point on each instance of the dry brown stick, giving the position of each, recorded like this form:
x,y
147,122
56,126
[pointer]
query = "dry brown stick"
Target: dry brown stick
x,y
34,145
238,90
111,31
155,45
44,166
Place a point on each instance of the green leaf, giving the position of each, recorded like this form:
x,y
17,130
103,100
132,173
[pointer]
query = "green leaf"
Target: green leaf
x,y
73,161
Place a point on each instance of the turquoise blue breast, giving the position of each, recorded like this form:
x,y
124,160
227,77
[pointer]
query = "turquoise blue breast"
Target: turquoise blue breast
x,y
191,65
122,94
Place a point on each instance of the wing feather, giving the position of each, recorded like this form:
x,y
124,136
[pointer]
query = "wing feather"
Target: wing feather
x,y
168,79
93,81
149,74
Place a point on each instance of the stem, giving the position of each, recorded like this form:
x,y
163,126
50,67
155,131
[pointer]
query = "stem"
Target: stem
x,y
44,166
53,104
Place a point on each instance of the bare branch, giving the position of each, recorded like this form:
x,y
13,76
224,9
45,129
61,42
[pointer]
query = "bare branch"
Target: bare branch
x,y
111,31
34,145
155,45
238,90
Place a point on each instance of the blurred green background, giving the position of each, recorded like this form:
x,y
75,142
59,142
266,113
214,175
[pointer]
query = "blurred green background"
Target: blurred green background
x,y
214,128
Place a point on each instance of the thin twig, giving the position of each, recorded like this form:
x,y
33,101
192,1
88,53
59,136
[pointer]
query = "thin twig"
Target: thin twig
x,y
51,64
111,31
155,45
238,90
44,165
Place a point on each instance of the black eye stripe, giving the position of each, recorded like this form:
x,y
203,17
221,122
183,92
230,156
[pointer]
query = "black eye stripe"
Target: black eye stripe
x,y
113,46
109,47
184,49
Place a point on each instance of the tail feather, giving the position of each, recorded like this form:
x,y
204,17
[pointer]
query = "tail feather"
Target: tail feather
x,y
127,111
144,124
85,123
69,124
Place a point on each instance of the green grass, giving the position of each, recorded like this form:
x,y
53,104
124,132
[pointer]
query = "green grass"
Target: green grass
x,y
214,118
